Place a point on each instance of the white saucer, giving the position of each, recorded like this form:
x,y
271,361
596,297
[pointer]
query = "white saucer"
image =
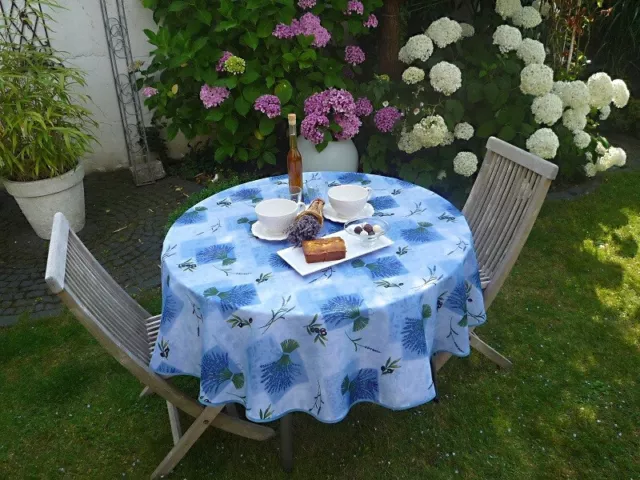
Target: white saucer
x,y
259,231
331,214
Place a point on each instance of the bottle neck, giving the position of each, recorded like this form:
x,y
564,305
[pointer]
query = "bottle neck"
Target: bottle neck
x,y
293,141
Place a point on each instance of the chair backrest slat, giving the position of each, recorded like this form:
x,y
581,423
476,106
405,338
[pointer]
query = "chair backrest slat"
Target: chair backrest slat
x,y
503,206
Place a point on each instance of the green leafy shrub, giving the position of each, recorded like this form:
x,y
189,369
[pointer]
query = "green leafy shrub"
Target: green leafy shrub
x,y
194,36
44,128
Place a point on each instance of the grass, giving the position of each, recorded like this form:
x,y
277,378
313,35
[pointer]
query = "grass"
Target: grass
x,y
570,409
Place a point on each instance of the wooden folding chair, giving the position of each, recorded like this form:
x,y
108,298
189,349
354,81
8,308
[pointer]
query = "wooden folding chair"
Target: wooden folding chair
x,y
128,333
503,206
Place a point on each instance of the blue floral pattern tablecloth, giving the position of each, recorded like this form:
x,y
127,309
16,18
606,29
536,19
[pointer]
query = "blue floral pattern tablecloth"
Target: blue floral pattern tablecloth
x,y
255,332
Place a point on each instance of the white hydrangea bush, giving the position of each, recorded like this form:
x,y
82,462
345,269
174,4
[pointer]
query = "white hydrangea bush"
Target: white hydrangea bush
x,y
456,94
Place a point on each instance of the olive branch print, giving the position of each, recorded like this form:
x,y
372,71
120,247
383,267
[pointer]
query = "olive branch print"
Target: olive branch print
x,y
402,251
387,284
188,265
390,366
266,414
163,345
216,226
317,401
236,321
316,328
196,312
170,252
356,344
279,314
431,280
461,245
418,209
447,217
264,277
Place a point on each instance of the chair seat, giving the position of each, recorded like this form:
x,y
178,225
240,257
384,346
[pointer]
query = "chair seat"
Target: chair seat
x,y
153,328
485,278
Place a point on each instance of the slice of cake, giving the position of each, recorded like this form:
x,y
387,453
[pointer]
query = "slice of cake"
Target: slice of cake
x,y
324,249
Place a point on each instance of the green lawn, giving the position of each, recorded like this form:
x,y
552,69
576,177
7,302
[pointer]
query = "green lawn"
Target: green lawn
x,y
569,319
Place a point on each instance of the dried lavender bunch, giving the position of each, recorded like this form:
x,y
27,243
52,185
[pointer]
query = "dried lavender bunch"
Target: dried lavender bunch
x,y
305,228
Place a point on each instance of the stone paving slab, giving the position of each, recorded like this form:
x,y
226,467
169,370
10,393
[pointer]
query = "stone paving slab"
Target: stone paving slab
x,y
124,230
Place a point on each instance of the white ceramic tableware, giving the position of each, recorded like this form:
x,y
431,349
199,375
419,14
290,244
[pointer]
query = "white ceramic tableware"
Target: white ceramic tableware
x,y
348,200
330,214
262,233
294,256
276,214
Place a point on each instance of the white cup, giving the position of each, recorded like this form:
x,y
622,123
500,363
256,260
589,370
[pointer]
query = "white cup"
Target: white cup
x,y
276,214
348,200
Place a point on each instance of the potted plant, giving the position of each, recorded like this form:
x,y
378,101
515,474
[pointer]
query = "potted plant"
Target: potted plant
x,y
332,119
44,131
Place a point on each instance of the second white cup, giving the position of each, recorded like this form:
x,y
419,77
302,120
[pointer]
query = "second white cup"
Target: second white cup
x,y
348,200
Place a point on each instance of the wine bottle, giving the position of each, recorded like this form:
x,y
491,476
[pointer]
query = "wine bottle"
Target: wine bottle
x,y
294,159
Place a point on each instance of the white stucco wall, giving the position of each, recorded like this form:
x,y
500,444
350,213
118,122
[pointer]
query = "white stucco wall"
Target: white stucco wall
x,y
78,30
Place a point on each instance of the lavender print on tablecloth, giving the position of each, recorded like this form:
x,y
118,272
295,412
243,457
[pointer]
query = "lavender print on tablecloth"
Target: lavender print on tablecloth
x,y
255,332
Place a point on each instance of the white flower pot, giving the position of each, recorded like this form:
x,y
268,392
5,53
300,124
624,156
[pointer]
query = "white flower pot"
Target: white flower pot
x,y
40,200
339,156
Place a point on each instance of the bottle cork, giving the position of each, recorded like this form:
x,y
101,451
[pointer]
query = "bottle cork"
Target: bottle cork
x,y
292,119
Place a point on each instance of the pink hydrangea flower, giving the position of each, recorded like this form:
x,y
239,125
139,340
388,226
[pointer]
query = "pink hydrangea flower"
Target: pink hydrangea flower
x,y
386,118
149,91
225,56
354,6
354,55
363,107
307,4
318,108
310,127
213,96
309,24
350,124
269,105
371,22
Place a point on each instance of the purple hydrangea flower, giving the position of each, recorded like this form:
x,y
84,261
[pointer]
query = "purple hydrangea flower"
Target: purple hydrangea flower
x,y
340,101
354,55
269,105
283,31
309,24
149,91
306,4
350,124
225,56
213,96
354,6
317,104
310,127
386,118
371,22
363,107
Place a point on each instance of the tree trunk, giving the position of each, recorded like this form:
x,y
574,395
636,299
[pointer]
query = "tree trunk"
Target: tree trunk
x,y
390,38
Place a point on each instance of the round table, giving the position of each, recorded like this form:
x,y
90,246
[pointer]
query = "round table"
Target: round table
x,y
255,332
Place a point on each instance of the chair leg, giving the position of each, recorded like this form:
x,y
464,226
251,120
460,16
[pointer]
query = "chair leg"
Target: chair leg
x,y
146,391
489,352
174,421
286,442
186,441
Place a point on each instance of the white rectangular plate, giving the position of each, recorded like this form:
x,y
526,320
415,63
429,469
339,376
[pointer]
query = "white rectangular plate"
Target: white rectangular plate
x,y
355,248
